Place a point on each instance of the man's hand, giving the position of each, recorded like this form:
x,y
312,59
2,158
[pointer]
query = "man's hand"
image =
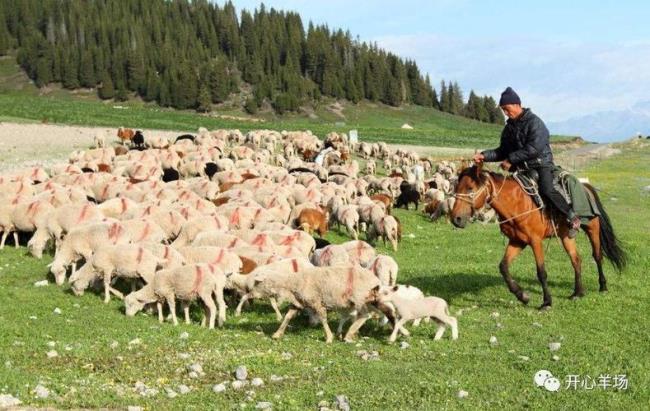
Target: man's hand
x,y
505,164
478,158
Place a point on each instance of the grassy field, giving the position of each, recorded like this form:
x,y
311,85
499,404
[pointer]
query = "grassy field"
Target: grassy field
x,y
21,101
601,334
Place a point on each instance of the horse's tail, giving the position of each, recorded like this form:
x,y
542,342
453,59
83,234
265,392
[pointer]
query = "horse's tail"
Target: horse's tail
x,y
609,243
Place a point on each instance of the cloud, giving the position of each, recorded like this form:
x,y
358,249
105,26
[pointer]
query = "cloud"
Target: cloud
x,y
559,79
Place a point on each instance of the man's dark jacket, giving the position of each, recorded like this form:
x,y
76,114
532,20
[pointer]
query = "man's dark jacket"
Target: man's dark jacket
x,y
524,142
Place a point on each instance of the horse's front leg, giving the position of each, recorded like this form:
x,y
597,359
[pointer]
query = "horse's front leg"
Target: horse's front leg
x,y
571,249
512,251
538,250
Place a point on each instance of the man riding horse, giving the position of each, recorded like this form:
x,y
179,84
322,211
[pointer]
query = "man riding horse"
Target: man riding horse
x,y
525,145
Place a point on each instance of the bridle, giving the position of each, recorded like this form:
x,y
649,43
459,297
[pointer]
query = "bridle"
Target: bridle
x,y
470,198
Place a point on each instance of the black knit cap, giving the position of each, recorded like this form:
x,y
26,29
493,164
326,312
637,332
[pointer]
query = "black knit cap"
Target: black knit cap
x,y
509,97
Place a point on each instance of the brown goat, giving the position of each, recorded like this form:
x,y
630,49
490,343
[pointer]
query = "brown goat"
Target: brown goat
x,y
125,134
385,199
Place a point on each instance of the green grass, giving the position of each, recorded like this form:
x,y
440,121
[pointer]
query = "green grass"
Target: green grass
x,y
600,334
21,101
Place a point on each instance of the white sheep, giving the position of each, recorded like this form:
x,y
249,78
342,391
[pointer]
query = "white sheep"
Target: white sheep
x,y
187,283
408,309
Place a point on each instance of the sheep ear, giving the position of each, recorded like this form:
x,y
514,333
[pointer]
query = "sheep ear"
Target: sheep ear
x,y
395,288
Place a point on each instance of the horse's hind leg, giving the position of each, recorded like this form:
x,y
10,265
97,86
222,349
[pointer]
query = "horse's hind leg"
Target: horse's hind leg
x,y
512,251
593,232
538,250
571,249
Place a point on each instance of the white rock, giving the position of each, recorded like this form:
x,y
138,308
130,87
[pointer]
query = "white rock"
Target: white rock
x,y
237,385
320,393
183,389
241,373
52,354
493,340
135,341
41,392
33,317
114,345
218,388
7,401
257,382
556,358
554,346
51,344
276,378
411,235
523,357
263,405
133,408
404,345
193,374
171,393
41,283
184,335
287,355
536,324
57,311
462,394
495,315
342,403
183,355
196,367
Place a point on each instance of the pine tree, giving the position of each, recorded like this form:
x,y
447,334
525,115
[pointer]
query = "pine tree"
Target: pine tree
x,y
70,73
445,100
204,103
219,82
43,72
456,99
106,91
87,70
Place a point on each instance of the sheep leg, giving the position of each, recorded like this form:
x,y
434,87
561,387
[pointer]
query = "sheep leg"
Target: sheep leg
x,y
440,331
345,316
107,287
17,244
285,322
451,322
396,329
274,304
116,293
186,311
356,325
244,298
159,306
171,302
416,322
212,310
5,234
222,308
321,313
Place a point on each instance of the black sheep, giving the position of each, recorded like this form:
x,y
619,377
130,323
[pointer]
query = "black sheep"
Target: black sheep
x,y
211,169
169,174
184,137
408,195
138,141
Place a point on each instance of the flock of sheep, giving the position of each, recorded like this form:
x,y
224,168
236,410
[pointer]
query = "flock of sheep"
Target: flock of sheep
x,y
227,212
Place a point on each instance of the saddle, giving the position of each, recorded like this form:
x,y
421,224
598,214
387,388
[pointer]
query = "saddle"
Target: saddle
x,y
528,180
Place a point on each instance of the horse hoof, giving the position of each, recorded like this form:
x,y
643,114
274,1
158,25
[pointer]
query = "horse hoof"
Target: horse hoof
x,y
575,296
544,307
524,298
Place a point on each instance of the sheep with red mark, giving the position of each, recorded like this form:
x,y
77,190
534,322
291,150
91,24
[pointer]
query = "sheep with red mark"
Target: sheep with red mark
x,y
168,256
121,261
385,227
82,241
194,226
225,259
251,287
218,239
385,268
187,283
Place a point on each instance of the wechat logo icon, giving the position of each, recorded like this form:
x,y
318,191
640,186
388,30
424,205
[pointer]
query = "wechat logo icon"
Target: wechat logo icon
x,y
544,378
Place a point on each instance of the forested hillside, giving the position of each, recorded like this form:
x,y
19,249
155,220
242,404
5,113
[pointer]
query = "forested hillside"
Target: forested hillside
x,y
192,54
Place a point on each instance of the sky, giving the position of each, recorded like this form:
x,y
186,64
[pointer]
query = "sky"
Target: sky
x,y
564,58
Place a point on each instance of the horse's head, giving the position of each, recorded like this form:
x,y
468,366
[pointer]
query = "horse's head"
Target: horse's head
x,y
471,194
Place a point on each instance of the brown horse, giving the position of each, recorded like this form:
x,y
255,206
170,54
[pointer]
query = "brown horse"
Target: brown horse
x,y
524,223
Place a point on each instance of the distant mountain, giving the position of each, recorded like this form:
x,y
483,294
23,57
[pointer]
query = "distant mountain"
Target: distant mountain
x,y
607,126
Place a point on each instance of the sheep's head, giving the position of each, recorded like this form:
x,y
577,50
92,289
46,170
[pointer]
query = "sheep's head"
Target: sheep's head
x,y
36,245
133,304
58,270
385,294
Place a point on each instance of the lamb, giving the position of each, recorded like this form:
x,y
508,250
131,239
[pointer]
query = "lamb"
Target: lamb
x,y
408,309
371,167
312,219
187,283
342,287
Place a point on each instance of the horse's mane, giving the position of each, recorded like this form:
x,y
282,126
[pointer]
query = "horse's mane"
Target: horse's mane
x,y
481,177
